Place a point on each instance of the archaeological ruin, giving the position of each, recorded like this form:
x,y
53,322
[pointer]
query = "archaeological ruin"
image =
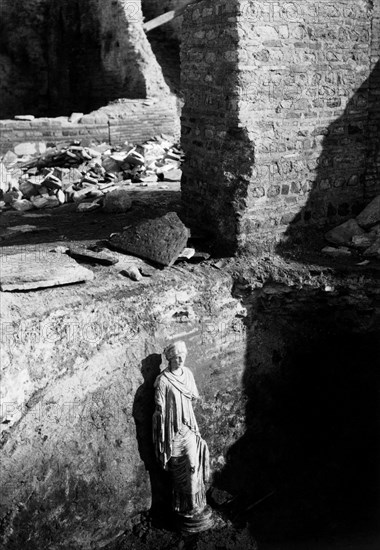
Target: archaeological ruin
x,y
230,202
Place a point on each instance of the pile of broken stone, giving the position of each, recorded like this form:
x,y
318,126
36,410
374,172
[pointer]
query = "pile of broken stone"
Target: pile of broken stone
x,y
360,234
92,177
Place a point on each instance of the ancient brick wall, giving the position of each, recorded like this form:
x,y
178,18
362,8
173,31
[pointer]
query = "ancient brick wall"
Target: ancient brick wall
x,y
59,56
275,123
133,120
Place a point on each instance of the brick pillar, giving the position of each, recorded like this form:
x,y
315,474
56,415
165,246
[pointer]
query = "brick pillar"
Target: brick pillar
x,y
275,122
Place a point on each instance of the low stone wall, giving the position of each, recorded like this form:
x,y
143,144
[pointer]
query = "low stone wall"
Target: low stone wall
x,y
132,120
277,113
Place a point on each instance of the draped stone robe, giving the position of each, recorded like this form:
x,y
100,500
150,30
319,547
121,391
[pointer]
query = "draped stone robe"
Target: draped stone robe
x,y
177,440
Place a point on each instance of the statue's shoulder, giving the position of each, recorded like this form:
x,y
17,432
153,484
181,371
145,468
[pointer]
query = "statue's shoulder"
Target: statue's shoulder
x,y
161,378
188,371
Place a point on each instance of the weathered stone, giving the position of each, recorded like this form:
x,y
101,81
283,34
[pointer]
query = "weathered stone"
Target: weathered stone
x,y
74,118
331,251
363,241
132,272
374,249
28,148
87,206
370,215
9,158
173,175
86,255
28,118
375,230
40,202
344,233
117,201
28,189
10,196
160,240
22,205
27,271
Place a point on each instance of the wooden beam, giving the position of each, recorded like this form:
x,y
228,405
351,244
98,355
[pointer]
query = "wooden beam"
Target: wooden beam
x,y
166,17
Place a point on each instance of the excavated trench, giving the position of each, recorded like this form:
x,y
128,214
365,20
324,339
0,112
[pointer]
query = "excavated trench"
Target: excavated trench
x,y
286,357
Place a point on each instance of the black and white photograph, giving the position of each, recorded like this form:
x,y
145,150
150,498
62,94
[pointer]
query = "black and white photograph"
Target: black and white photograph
x,y
190,274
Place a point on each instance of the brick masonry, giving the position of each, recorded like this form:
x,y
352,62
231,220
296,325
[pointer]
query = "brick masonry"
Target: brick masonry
x,y
281,115
132,120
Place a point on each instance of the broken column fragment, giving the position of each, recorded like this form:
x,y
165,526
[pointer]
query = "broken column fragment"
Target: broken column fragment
x,y
160,240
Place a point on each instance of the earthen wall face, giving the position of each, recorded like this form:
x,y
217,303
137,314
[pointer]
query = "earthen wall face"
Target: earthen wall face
x,y
281,110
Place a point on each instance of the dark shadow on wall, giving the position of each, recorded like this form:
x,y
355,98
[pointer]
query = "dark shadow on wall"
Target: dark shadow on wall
x,y
307,466
143,409
79,78
346,172
60,56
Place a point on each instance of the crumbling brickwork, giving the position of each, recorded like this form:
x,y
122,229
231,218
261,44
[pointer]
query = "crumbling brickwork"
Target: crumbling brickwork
x,y
277,111
133,120
59,56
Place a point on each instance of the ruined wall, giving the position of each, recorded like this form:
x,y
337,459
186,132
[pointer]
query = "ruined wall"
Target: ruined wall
x,y
76,55
132,120
275,123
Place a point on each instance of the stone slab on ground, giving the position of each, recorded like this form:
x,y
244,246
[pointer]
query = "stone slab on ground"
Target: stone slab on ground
x,y
344,233
160,240
83,254
30,271
370,215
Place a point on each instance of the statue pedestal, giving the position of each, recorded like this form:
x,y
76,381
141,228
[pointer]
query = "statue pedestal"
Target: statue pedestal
x,y
190,524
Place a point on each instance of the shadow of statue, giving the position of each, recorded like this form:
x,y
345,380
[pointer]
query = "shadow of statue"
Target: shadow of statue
x,y
143,409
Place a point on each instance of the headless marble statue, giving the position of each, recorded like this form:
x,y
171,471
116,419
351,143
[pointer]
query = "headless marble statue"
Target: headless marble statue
x,y
178,443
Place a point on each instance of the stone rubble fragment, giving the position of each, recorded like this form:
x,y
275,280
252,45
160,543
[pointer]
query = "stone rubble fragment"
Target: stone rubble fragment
x,y
374,249
132,272
362,234
117,200
370,215
331,251
74,173
159,240
344,233
83,254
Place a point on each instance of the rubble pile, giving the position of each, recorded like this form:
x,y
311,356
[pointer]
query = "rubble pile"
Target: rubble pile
x,y
361,234
86,175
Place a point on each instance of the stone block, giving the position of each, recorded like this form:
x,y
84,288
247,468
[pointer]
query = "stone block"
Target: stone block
x,y
28,148
370,215
160,240
344,233
117,201
374,249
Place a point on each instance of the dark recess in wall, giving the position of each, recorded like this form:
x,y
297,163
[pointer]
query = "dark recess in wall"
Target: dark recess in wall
x,y
312,424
